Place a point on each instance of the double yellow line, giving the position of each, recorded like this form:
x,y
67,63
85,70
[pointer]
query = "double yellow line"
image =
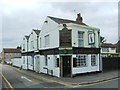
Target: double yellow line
x,y
7,81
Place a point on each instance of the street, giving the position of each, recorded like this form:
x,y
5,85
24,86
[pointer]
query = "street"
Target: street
x,y
20,80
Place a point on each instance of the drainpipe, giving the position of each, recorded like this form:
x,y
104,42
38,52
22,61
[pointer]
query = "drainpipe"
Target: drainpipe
x,y
27,53
100,62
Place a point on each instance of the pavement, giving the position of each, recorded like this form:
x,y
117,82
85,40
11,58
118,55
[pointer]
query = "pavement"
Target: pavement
x,y
83,79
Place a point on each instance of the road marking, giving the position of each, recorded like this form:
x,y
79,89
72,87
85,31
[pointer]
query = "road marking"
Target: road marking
x,y
92,84
70,84
23,77
7,81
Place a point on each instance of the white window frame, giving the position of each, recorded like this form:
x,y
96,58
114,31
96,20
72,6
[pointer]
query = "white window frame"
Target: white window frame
x,y
81,60
40,42
93,60
80,38
47,40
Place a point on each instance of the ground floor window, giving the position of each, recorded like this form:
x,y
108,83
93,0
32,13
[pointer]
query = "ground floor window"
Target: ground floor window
x,y
81,60
56,62
93,60
46,61
23,59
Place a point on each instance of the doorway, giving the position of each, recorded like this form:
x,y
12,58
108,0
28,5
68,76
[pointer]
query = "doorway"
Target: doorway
x,y
66,66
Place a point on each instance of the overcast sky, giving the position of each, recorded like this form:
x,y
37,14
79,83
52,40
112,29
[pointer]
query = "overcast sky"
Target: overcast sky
x,y
19,17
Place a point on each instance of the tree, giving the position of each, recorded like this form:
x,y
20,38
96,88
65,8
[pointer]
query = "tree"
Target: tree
x,y
102,39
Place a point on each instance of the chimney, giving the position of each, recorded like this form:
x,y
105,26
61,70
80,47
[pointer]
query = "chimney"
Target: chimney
x,y
79,19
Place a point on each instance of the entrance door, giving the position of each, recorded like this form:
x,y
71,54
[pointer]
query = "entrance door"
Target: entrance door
x,y
66,66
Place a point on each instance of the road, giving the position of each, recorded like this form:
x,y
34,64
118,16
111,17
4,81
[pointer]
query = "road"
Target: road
x,y
19,80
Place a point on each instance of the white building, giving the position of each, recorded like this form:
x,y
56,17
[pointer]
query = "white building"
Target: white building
x,y
63,48
109,50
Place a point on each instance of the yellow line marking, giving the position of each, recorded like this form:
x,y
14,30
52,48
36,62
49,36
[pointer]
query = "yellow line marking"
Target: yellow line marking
x,y
47,79
70,84
7,81
92,84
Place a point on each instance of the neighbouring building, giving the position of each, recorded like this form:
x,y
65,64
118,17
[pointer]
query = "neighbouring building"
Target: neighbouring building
x,y
109,50
62,48
10,53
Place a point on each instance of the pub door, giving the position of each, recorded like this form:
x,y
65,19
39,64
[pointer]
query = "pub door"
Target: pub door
x,y
66,66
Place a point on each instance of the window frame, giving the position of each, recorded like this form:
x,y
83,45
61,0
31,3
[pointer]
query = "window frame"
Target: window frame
x,y
81,60
47,40
80,38
93,60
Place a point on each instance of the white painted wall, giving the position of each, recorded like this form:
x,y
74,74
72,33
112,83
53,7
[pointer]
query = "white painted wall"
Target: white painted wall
x,y
51,28
88,68
24,64
37,63
17,62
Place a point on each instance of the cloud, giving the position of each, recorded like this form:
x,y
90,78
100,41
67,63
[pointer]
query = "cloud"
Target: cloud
x,y
20,18
103,15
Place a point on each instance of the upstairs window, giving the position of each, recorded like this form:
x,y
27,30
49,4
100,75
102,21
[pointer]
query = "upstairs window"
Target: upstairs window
x,y
47,40
32,44
40,43
23,47
105,49
80,39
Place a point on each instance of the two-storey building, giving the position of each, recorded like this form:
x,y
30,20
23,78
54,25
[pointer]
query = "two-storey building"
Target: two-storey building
x,y
65,48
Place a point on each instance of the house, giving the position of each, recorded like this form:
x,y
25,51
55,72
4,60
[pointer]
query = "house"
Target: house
x,y
64,48
9,53
29,47
109,50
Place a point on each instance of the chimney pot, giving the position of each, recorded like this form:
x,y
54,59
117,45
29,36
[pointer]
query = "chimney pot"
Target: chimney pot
x,y
78,15
79,18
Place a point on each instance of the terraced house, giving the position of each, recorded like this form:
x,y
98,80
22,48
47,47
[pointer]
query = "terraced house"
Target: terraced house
x,y
62,48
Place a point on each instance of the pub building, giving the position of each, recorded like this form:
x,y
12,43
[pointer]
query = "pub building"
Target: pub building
x,y
67,48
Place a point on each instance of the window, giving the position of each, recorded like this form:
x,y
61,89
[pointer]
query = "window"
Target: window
x,y
32,44
23,47
93,60
47,41
23,59
80,39
105,49
81,61
56,62
40,43
46,61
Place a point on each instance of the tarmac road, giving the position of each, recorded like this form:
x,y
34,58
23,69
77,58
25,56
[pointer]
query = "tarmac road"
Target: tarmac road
x,y
19,80
22,80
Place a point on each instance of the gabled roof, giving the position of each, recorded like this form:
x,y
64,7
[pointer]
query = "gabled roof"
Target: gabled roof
x,y
27,37
36,31
11,50
59,21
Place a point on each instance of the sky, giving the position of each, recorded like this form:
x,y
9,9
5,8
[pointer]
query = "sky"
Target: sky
x,y
19,17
